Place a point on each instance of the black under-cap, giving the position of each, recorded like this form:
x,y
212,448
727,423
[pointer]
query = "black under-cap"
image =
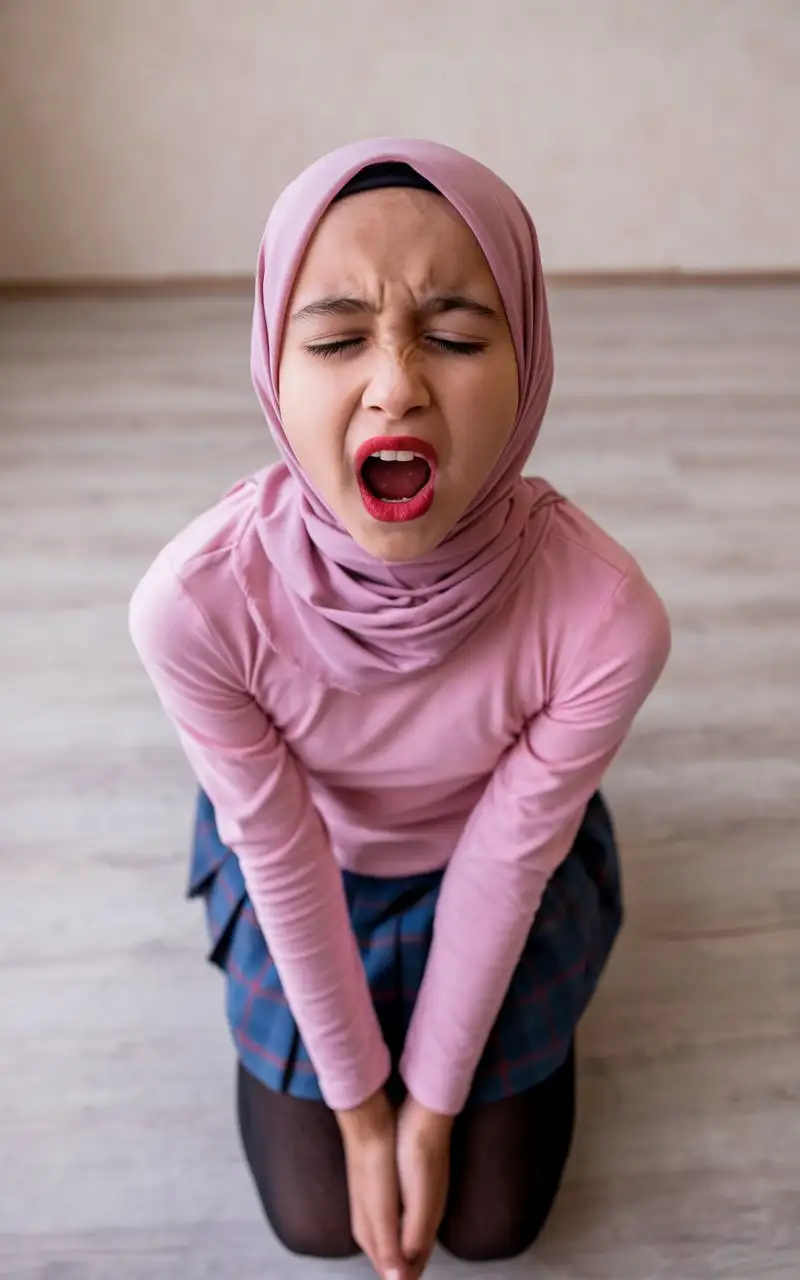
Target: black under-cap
x,y
386,173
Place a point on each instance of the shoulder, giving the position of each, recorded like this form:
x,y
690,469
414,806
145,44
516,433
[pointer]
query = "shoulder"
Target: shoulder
x,y
189,601
595,597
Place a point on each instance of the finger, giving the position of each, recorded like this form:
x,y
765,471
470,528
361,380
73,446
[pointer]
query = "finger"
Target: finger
x,y
381,1244
416,1266
392,1268
418,1228
386,1236
384,1214
389,1265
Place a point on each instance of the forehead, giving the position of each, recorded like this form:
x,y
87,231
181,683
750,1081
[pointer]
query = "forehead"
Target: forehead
x,y
393,234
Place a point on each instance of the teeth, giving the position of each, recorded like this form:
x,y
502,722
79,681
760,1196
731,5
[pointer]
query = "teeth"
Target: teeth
x,y
397,455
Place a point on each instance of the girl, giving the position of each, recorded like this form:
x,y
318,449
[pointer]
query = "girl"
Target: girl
x,y
399,670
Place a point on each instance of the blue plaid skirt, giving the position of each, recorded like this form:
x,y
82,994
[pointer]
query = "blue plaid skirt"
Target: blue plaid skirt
x,y
566,951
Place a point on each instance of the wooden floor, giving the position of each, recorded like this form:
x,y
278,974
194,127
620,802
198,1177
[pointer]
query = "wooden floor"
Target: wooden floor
x,y
676,422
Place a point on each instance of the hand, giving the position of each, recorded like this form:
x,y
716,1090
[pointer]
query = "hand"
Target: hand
x,y
423,1164
369,1138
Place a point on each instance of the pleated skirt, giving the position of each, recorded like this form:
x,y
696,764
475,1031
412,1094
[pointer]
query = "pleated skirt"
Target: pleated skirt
x,y
392,918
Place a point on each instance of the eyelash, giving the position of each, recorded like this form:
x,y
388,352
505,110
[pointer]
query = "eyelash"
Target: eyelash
x,y
328,349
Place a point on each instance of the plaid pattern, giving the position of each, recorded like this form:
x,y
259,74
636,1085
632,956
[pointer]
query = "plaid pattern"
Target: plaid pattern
x,y
567,948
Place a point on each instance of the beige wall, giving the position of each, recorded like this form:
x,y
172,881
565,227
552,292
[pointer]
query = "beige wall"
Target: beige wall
x,y
148,137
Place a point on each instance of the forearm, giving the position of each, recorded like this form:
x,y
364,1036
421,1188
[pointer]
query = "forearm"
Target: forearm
x,y
485,911
295,887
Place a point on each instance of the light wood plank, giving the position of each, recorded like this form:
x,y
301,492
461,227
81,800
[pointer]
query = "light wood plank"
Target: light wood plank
x,y
676,423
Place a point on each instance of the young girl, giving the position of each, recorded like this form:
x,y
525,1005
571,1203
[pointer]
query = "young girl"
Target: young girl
x,y
399,671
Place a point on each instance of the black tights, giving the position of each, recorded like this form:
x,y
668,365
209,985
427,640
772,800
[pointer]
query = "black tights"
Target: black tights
x,y
507,1161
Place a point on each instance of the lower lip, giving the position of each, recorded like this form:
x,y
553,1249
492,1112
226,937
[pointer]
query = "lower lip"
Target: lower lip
x,y
399,512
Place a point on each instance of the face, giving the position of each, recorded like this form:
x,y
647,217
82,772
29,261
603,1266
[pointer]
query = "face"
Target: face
x,y
396,343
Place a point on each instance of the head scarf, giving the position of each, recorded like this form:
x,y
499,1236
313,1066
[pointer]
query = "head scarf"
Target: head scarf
x,y
334,609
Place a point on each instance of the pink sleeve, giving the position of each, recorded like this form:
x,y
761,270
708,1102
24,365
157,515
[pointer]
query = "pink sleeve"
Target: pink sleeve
x,y
521,829
266,815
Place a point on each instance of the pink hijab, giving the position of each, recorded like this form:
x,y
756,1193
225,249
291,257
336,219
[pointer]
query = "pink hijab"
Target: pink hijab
x,y
363,621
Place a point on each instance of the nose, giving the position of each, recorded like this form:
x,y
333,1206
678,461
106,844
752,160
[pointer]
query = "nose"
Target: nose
x,y
396,385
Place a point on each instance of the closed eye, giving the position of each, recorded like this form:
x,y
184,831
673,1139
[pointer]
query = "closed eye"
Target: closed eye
x,y
326,350
456,348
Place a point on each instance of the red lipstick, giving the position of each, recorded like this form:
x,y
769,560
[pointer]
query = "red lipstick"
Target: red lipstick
x,y
398,510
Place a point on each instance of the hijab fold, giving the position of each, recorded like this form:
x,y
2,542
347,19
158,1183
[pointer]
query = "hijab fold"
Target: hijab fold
x,y
335,610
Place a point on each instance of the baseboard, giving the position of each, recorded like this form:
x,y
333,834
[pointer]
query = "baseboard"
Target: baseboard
x,y
239,285
106,287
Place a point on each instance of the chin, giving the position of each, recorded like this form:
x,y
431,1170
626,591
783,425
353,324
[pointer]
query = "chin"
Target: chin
x,y
397,544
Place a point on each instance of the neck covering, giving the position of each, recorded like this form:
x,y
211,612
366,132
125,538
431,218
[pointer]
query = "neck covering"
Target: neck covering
x,y
333,609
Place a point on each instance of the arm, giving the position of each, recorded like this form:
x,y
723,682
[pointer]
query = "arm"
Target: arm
x,y
266,815
521,829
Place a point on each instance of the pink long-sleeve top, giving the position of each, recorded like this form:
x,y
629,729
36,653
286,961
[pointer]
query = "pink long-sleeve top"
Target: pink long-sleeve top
x,y
482,766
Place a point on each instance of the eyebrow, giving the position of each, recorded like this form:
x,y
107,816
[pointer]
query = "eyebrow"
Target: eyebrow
x,y
345,305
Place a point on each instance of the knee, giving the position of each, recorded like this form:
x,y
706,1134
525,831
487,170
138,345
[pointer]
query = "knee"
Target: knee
x,y
496,1240
310,1240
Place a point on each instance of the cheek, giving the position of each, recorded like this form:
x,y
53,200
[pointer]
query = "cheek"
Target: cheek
x,y
486,411
311,412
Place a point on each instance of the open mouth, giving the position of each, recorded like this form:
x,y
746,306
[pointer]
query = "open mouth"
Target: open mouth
x,y
396,476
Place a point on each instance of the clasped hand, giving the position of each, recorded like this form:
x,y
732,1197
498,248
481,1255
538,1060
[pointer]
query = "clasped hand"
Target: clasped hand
x,y
398,1170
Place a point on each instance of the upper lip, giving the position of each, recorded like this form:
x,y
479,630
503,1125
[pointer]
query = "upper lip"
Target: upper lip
x,y
407,443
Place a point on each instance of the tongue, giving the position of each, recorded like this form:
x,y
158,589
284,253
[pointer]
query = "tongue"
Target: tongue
x,y
395,480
